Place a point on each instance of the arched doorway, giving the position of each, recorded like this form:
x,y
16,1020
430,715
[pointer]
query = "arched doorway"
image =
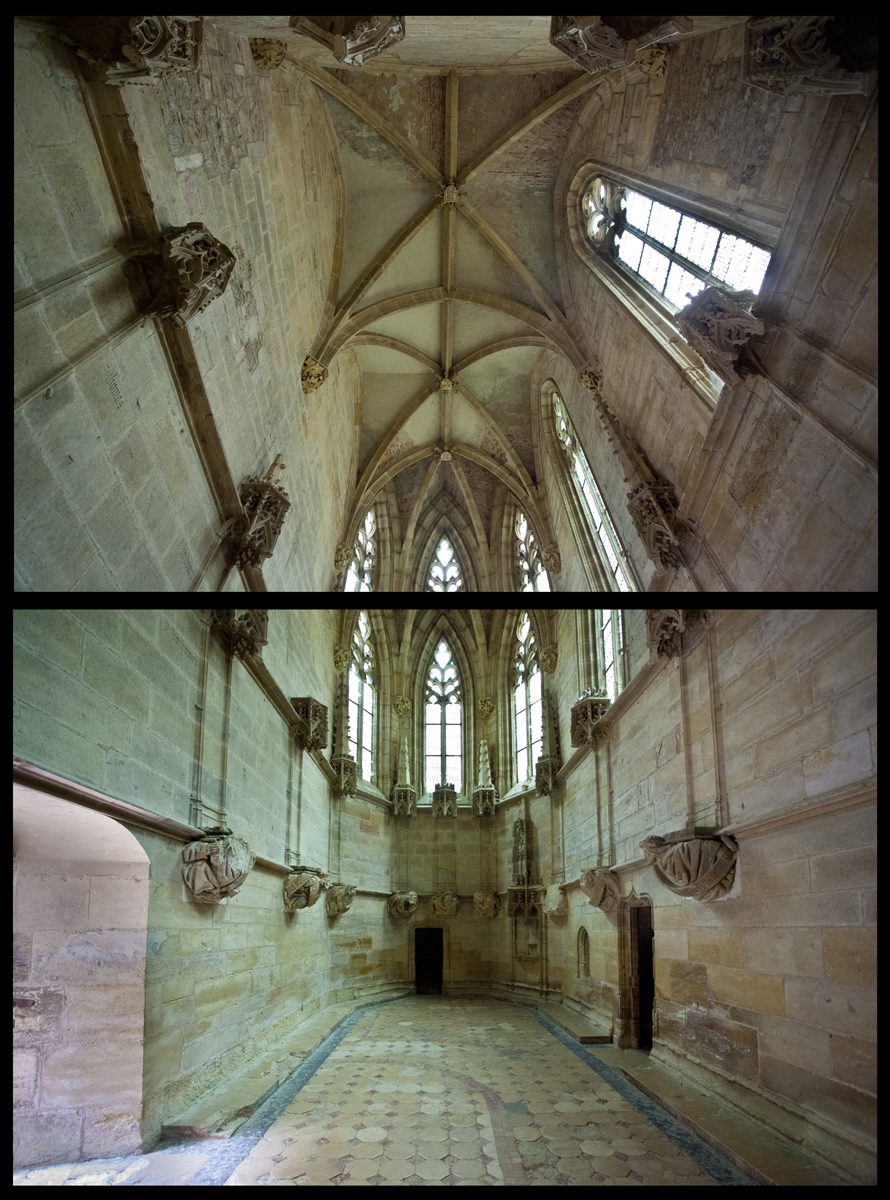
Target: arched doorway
x,y
636,975
80,915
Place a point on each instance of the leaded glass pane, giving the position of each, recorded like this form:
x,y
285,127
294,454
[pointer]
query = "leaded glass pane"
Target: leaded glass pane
x,y
637,209
445,573
663,224
520,700
452,772
629,249
654,267
681,286
697,242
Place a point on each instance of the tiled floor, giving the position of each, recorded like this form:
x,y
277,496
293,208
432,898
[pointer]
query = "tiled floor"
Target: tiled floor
x,y
431,1090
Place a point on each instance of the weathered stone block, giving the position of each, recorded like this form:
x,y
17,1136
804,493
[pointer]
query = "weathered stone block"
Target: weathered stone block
x,y
851,955
747,989
722,1043
854,1061
783,951
689,983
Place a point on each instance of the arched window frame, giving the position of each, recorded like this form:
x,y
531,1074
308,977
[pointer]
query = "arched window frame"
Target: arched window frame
x,y
436,561
648,308
360,572
528,701
527,557
444,693
610,631
361,691
588,503
583,953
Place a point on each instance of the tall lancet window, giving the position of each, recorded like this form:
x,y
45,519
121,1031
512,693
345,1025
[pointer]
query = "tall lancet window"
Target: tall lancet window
x,y
445,574
361,698
527,694
532,576
598,517
360,573
443,713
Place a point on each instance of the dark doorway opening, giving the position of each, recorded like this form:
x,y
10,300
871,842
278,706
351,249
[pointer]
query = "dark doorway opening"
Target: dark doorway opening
x,y
428,961
641,937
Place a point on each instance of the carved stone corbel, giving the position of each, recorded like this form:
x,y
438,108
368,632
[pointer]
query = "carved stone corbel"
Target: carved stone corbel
x,y
188,272
587,712
346,769
552,560
241,631
653,61
669,539
342,557
339,898
402,705
353,40
486,904
484,794
548,659
265,504
137,49
311,727
402,904
702,868
215,866
485,706
312,375
452,196
302,887
267,53
546,769
445,904
790,55
602,888
404,796
603,43
718,327
673,632
444,800
342,657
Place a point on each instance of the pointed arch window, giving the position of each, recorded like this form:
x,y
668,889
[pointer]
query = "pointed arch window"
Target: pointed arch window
x,y
527,701
532,576
445,573
674,253
361,697
359,577
598,519
612,649
442,732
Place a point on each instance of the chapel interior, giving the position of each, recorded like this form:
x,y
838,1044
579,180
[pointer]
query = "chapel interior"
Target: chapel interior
x,y
454,303
320,897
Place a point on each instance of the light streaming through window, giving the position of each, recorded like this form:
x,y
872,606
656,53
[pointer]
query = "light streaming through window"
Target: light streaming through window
x,y
527,695
358,577
532,576
361,698
445,573
442,731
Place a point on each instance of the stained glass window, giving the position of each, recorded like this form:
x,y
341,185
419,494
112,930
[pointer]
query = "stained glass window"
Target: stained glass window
x,y
527,695
442,732
359,575
361,698
532,576
599,520
445,573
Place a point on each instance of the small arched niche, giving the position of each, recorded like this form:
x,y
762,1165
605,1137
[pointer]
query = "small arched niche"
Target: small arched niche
x,y
80,916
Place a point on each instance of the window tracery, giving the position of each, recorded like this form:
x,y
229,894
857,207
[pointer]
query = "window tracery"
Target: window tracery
x,y
599,521
359,577
675,253
442,732
532,576
445,573
527,699
361,697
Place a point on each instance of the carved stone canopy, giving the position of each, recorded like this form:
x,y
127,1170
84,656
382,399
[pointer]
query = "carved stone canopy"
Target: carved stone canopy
x,y
242,631
265,504
190,269
702,868
346,770
445,904
313,374
311,728
353,40
339,898
302,887
718,327
524,901
444,800
547,768
215,866
484,802
402,904
669,539
486,904
602,888
602,43
587,712
137,49
791,56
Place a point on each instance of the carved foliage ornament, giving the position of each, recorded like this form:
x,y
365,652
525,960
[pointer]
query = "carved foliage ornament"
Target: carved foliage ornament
x,y
342,557
717,328
698,867
586,714
313,374
602,888
267,53
402,705
342,657
666,536
241,631
790,55
353,40
672,632
548,659
215,866
189,270
485,705
339,898
552,560
445,904
653,61
302,887
402,904
311,728
137,49
486,904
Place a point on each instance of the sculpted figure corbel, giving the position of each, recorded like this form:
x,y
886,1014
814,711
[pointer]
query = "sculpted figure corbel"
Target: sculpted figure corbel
x,y
339,898
486,904
702,868
445,904
402,904
215,866
302,887
556,902
602,888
